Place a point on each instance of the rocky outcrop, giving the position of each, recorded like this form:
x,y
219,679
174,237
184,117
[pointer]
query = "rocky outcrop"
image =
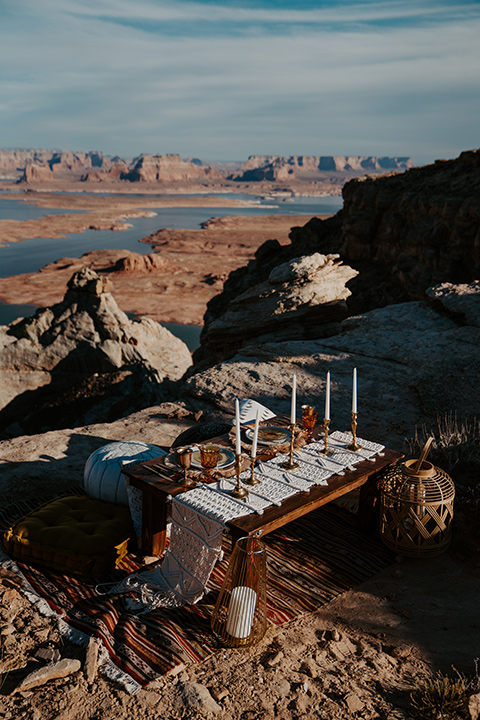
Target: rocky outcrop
x,y
168,169
414,361
302,298
423,226
309,167
76,354
402,233
51,166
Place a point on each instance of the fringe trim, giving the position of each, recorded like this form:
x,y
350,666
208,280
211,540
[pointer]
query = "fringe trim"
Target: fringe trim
x,y
105,665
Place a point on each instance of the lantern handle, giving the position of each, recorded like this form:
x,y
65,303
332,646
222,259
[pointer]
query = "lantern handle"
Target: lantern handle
x,y
424,453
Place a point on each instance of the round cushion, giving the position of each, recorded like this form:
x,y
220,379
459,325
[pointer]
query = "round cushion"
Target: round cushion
x,y
102,477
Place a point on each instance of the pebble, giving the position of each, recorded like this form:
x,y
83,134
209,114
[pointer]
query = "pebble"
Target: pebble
x,y
197,697
354,704
275,659
474,706
336,636
7,630
397,574
48,654
52,671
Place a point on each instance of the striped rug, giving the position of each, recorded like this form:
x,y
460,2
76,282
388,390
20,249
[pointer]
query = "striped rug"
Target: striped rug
x,y
310,561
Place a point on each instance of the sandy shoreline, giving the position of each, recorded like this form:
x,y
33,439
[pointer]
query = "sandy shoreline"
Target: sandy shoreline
x,y
193,264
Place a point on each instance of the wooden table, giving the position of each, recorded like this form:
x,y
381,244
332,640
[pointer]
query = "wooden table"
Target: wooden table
x,y
156,491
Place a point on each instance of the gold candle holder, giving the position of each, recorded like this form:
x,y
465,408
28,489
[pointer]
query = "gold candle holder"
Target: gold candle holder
x,y
353,445
238,491
325,450
252,480
290,464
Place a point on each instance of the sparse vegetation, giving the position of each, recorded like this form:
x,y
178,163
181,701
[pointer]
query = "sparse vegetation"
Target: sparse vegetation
x,y
441,698
455,449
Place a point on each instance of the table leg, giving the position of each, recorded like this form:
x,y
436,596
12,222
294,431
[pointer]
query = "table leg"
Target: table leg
x,y
369,503
154,524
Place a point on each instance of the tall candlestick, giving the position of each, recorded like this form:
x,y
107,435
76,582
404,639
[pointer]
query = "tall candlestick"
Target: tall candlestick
x,y
255,435
238,446
327,398
294,401
354,391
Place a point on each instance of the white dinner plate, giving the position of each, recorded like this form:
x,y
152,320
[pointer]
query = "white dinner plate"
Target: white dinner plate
x,y
269,435
226,458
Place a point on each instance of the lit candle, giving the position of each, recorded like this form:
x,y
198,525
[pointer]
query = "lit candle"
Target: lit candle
x,y
354,391
255,435
241,611
238,445
327,398
294,401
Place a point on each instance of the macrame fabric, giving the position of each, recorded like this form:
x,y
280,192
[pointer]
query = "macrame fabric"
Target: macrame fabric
x,y
200,515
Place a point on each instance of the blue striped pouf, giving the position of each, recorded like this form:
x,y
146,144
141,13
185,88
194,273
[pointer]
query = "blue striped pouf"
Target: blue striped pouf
x,y
102,477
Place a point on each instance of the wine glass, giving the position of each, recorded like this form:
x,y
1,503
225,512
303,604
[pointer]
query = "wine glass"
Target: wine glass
x,y
185,460
309,420
209,459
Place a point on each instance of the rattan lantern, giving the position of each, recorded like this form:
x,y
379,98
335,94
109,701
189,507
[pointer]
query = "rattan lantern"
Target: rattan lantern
x,y
240,615
416,509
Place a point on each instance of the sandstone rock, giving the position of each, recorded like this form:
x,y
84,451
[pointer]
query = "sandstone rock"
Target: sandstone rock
x,y
413,365
304,297
197,697
49,654
167,169
91,660
87,342
52,671
474,706
354,703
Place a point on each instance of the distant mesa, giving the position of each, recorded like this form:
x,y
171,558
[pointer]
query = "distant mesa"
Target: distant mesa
x,y
169,169
311,167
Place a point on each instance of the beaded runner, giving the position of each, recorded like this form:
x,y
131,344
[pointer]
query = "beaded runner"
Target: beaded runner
x,y
199,518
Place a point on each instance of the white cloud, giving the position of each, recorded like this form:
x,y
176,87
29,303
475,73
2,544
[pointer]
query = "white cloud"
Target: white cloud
x,y
73,80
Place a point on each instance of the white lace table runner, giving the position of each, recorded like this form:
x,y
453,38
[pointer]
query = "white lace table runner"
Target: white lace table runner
x,y
199,517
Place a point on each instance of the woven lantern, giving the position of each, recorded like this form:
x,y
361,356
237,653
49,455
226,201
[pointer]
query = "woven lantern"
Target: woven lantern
x,y
240,615
416,508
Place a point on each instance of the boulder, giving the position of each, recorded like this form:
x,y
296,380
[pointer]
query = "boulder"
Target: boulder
x,y
80,350
301,298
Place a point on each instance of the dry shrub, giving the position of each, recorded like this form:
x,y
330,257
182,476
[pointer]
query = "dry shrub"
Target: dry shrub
x,y
455,449
440,698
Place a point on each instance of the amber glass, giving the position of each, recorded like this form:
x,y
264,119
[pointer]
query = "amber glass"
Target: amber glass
x,y
309,420
209,459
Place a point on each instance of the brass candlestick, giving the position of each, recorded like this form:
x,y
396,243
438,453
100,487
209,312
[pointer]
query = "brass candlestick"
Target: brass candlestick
x,y
325,450
290,464
353,445
238,491
252,480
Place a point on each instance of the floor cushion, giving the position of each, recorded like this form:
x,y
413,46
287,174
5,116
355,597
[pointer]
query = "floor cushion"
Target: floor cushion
x,y
102,477
72,534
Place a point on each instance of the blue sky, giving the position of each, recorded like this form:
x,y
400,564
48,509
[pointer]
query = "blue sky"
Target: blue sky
x,y
224,80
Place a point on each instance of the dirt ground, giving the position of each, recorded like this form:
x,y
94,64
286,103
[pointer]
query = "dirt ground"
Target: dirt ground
x,y
358,656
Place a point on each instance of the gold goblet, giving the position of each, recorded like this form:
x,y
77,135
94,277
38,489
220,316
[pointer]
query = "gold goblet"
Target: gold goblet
x,y
309,420
185,460
209,459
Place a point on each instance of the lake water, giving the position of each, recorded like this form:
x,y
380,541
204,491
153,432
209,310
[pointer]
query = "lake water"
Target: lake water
x,y
29,256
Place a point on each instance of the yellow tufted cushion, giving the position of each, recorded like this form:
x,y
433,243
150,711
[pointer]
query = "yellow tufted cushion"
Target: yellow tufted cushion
x,y
72,534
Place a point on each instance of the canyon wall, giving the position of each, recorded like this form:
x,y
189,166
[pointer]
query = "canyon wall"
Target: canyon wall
x,y
399,233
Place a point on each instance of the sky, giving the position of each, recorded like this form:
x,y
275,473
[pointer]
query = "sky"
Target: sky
x,y
222,80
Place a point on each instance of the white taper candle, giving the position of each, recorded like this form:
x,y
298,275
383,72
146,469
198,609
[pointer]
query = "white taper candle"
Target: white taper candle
x,y
238,445
293,415
354,391
327,398
255,435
